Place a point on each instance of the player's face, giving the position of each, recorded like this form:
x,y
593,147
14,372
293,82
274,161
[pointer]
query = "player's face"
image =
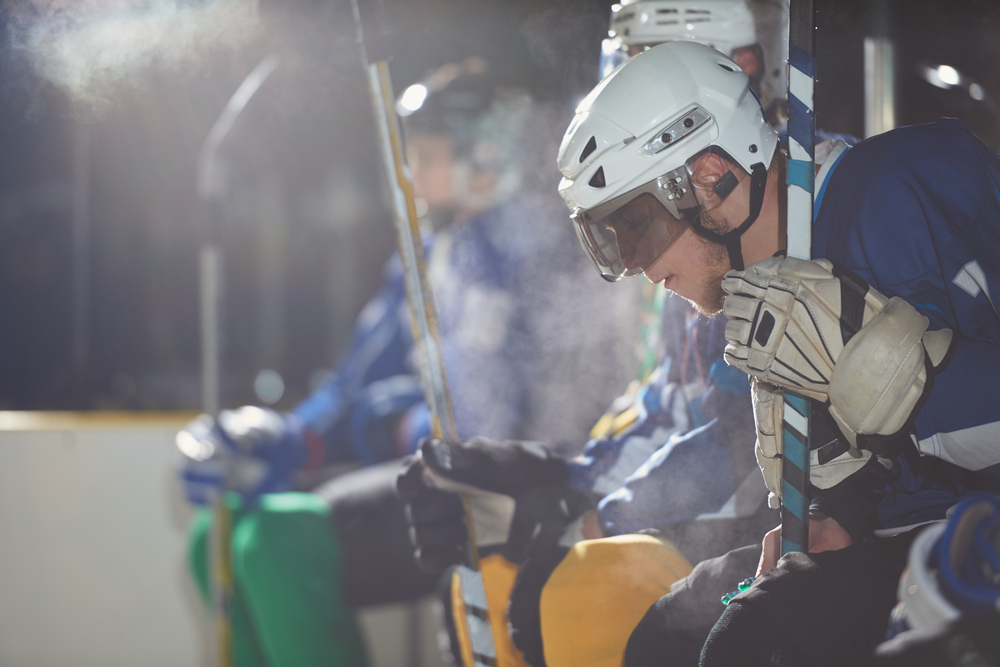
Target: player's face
x,y
693,266
432,163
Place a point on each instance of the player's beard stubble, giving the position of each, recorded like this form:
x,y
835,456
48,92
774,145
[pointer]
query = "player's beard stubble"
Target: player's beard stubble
x,y
716,259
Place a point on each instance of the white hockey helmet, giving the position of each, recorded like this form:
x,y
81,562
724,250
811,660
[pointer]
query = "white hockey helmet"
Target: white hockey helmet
x,y
725,25
753,33
631,156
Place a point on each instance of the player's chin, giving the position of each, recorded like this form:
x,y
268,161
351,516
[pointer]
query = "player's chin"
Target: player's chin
x,y
712,296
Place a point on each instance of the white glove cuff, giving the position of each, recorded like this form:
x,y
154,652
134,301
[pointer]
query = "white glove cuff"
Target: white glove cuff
x,y
767,413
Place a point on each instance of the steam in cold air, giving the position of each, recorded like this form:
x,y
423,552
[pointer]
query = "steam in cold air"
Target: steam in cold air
x,y
89,47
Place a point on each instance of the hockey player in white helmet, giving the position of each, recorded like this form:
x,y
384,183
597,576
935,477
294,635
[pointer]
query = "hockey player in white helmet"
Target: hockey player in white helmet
x,y
670,171
751,33
641,172
652,416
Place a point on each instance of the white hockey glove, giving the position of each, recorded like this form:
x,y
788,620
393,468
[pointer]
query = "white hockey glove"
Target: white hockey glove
x,y
767,413
823,332
767,407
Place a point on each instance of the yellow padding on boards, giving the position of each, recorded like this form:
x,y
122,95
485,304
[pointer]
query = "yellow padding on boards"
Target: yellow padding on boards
x,y
498,580
599,593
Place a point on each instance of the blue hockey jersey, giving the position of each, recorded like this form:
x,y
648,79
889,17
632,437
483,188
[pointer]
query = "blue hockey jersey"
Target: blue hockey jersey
x,y
916,213
379,350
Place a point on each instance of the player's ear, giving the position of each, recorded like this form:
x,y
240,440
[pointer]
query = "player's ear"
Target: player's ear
x,y
708,169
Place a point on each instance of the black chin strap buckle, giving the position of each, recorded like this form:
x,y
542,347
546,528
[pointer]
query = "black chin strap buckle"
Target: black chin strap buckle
x,y
725,186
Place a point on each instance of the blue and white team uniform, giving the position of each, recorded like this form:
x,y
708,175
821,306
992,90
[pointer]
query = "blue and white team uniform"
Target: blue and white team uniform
x,y
916,213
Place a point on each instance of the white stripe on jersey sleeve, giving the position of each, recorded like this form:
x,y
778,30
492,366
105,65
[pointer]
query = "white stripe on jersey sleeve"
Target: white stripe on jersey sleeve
x,y
972,448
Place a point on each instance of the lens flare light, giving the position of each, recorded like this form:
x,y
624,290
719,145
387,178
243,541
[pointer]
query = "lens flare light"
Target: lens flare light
x,y
412,99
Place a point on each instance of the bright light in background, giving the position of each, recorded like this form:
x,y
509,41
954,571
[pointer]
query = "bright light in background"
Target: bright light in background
x,y
269,386
932,75
412,99
948,75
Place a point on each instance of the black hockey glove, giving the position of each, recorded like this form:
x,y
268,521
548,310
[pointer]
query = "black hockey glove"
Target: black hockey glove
x,y
538,482
519,493
437,519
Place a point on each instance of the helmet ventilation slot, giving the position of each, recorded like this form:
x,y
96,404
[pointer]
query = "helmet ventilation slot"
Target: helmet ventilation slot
x,y
597,180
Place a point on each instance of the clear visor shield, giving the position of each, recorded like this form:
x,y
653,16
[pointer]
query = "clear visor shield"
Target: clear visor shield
x,y
625,235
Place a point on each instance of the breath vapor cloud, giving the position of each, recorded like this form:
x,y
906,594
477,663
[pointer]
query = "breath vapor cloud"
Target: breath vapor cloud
x,y
90,47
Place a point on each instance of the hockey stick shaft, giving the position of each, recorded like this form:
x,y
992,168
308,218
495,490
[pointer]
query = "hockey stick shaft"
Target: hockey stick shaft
x,y
800,175
482,649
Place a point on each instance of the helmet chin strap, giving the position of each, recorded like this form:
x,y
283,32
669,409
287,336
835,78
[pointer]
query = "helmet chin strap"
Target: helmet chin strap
x,y
731,239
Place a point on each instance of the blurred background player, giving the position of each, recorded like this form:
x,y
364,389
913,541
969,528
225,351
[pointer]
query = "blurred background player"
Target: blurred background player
x,y
752,33
509,363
